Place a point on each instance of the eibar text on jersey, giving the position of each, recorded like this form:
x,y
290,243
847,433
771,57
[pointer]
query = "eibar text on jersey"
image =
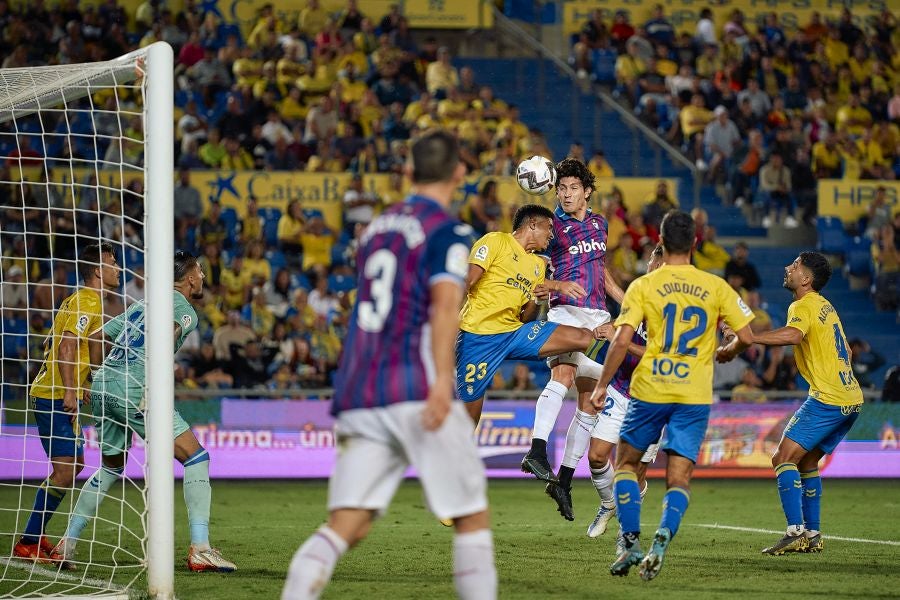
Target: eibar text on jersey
x,y
587,246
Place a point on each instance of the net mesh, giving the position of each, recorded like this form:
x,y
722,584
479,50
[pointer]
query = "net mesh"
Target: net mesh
x,y
72,153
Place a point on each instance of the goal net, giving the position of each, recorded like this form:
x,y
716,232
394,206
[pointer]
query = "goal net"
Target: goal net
x,y
85,158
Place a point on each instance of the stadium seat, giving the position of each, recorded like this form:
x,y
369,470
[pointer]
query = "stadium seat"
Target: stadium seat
x,y
341,283
276,260
832,238
229,217
604,61
270,218
858,257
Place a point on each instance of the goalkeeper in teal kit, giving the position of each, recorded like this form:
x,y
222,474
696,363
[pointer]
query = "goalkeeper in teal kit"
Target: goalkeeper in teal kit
x,y
117,401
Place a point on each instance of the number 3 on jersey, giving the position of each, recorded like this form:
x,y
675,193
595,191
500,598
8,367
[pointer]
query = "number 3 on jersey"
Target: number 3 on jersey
x,y
380,269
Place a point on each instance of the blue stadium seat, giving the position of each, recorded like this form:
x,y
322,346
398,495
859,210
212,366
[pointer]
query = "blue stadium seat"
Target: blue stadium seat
x,y
858,257
15,338
276,260
270,218
832,238
341,283
229,217
604,61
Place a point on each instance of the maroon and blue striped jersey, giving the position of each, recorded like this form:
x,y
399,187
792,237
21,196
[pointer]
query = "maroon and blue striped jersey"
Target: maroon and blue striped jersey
x,y
622,379
387,352
577,253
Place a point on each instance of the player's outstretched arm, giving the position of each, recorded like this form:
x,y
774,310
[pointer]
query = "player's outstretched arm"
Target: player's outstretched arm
x,y
446,296
783,336
614,357
734,344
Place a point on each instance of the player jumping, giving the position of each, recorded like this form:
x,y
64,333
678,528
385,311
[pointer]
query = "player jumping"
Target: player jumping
x,y
577,253
117,401
504,278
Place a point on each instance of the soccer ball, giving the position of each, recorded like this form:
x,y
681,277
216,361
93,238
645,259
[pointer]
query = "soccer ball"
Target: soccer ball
x,y
536,175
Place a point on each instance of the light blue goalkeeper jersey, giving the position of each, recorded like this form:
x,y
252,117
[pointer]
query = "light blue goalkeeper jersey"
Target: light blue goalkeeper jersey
x,y
124,368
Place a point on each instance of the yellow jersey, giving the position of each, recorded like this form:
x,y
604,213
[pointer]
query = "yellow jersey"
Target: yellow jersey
x,y
823,357
81,314
681,306
494,303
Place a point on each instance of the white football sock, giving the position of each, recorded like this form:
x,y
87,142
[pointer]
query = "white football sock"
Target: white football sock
x,y
602,479
547,409
474,573
312,565
578,438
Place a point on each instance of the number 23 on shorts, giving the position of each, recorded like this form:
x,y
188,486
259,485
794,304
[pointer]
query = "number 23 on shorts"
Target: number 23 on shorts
x,y
474,371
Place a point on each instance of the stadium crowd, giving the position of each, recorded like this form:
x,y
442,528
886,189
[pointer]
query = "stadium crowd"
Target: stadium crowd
x,y
764,111
345,92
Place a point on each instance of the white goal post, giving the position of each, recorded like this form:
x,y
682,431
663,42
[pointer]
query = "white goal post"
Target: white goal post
x,y
65,94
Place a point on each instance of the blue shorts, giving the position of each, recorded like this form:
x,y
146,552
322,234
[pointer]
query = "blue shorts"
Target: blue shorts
x,y
479,356
60,436
820,425
685,426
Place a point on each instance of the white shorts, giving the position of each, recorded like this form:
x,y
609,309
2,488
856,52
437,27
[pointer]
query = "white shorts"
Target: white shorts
x,y
375,446
589,318
610,421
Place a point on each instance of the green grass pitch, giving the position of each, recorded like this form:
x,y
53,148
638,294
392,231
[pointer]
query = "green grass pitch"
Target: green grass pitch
x,y
259,525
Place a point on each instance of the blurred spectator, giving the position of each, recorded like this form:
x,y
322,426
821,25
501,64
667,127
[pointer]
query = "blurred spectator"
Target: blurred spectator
x,y
656,206
774,197
211,229
659,29
279,292
249,366
886,258
321,122
879,213
322,300
484,209
746,165
359,205
599,166
258,314
891,390
721,137
13,294
317,240
256,263
441,76
622,261
50,291
705,31
865,362
749,390
708,255
521,379
693,119
207,370
134,287
740,266
236,283
233,333
761,320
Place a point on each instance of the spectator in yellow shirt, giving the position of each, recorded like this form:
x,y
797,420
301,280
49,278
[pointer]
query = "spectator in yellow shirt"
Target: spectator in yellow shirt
x,y
256,264
693,120
826,158
312,19
853,118
709,256
599,166
317,242
441,75
290,228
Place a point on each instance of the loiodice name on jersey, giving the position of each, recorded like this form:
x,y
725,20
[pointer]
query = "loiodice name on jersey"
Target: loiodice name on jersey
x,y
585,246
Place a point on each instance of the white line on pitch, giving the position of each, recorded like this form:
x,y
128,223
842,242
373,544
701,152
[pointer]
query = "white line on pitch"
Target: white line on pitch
x,y
43,571
781,531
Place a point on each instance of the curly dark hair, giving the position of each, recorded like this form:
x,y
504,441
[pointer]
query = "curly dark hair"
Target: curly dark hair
x,y
572,167
818,266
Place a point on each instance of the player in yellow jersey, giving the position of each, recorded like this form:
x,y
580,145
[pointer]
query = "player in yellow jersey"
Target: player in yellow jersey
x,y
835,398
496,323
671,386
71,348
